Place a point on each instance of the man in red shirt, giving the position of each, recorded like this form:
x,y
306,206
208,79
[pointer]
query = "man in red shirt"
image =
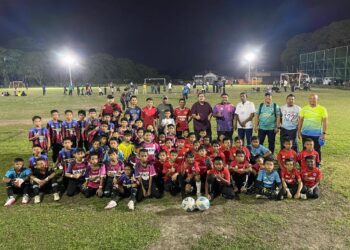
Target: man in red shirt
x,y
311,177
110,106
219,181
182,116
149,114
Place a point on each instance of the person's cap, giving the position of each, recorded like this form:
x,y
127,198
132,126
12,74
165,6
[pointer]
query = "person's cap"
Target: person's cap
x,y
165,97
268,94
110,97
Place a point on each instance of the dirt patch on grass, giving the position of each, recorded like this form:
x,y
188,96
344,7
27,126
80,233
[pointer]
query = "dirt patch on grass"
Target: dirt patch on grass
x,y
288,224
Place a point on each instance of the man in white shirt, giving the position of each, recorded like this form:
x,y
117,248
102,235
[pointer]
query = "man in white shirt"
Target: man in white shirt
x,y
290,118
244,115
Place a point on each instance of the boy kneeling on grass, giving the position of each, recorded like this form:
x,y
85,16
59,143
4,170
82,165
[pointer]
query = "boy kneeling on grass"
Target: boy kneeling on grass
x,y
291,181
268,182
311,177
125,186
219,181
17,182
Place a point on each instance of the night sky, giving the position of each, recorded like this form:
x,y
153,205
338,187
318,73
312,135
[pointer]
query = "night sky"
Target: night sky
x,y
172,36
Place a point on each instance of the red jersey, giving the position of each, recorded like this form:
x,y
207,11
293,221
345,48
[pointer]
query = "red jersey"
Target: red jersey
x,y
181,117
189,169
290,178
224,173
149,115
227,153
159,166
166,168
286,154
246,151
108,108
240,165
311,177
204,163
220,154
167,150
181,155
303,154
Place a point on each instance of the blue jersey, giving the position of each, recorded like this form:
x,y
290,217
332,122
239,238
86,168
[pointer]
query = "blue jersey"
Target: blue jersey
x,y
135,113
55,131
12,174
65,157
269,179
127,181
260,150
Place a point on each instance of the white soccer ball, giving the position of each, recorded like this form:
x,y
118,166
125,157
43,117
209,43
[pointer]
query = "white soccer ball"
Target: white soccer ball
x,y
202,203
188,204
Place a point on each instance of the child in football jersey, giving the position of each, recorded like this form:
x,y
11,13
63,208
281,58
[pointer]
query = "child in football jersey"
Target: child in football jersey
x,y
259,165
126,147
113,144
196,146
54,127
171,174
139,136
268,183
37,154
168,146
76,173
286,153
216,152
92,125
190,141
291,181
161,139
308,151
238,145
70,128
202,134
240,170
226,150
171,133
207,144
104,144
204,163
167,120
123,187
151,146
124,126
111,127
17,182
83,136
103,130
114,169
158,166
256,148
135,156
189,178
181,150
311,177
94,177
145,172
38,135
66,154
43,181
96,149
219,181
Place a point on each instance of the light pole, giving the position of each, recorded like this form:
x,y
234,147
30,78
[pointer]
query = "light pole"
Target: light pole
x,y
250,57
69,59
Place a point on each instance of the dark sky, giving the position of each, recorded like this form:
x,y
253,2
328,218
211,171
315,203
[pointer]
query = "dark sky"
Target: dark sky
x,y
172,36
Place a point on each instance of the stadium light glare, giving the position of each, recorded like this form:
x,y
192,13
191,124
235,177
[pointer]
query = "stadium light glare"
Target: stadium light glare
x,y
69,59
250,57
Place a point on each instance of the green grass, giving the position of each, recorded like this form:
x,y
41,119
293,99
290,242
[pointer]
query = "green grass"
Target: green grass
x,y
82,223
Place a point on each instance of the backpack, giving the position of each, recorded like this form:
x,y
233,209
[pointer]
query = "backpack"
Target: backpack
x,y
274,109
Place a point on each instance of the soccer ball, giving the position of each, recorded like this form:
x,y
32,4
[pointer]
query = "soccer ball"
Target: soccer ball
x,y
202,203
188,204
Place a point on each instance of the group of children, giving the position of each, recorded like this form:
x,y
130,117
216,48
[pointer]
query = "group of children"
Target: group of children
x,y
118,158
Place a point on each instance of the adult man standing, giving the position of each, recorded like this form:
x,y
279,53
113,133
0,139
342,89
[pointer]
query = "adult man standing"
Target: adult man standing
x,y
182,116
133,110
149,114
244,115
201,114
313,122
268,121
224,114
110,106
165,105
290,118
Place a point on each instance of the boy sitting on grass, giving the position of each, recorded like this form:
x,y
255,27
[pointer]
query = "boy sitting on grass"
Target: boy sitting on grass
x,y
268,182
43,181
17,182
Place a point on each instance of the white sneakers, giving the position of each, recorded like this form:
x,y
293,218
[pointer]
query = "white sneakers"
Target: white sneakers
x,y
25,199
111,204
56,196
10,201
131,205
303,196
37,199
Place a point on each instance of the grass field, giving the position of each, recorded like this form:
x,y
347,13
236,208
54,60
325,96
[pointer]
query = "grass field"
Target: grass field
x,y
79,223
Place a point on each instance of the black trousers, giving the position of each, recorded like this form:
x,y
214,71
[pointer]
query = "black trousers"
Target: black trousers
x,y
291,134
51,186
129,192
293,188
183,182
154,191
215,188
271,137
173,187
270,193
89,192
74,186
23,189
56,148
240,180
108,186
311,194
